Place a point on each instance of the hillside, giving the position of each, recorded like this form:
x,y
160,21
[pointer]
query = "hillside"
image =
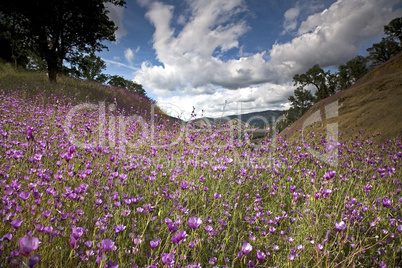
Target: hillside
x,y
372,105
34,85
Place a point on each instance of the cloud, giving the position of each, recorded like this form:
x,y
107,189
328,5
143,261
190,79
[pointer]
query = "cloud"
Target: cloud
x,y
290,23
243,100
191,57
129,55
333,36
116,62
116,15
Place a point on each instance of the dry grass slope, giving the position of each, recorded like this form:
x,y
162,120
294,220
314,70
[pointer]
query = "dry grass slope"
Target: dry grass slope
x,y
373,104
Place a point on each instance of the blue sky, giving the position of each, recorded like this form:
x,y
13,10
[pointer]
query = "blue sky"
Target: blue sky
x,y
203,53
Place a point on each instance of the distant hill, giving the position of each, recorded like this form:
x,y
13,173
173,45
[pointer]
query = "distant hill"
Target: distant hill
x,y
372,105
249,120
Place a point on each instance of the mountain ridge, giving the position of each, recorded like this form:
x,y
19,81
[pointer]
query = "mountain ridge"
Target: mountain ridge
x,y
253,119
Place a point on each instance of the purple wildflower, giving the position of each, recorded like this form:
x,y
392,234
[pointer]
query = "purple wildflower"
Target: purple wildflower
x,y
251,264
386,203
88,243
24,195
74,242
181,235
184,185
27,245
212,260
291,257
329,175
340,226
16,224
33,260
119,228
6,237
155,243
108,244
260,255
167,258
209,228
77,232
246,248
111,264
194,222
46,213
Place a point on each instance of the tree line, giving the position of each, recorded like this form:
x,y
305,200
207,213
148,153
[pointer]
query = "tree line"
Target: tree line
x,y
43,35
326,83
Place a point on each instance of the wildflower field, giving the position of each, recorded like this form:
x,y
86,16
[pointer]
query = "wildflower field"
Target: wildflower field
x,y
84,183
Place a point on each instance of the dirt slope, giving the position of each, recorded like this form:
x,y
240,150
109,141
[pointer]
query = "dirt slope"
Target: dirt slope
x,y
373,104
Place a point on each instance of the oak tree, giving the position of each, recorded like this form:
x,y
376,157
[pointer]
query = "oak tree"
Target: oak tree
x,y
55,30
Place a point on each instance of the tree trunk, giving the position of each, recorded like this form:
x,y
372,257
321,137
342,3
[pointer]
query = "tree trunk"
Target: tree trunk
x,y
52,66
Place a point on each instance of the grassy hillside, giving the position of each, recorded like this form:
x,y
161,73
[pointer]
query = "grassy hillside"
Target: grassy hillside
x,y
372,105
36,85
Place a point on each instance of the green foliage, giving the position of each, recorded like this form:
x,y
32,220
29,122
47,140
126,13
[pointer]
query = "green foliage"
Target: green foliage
x,y
12,44
383,51
118,81
89,67
54,29
394,29
317,77
389,46
300,103
351,71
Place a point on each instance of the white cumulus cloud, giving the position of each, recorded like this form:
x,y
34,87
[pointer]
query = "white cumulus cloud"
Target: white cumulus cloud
x,y
192,71
129,55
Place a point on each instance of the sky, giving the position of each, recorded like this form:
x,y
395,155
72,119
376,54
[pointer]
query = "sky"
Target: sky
x,y
224,57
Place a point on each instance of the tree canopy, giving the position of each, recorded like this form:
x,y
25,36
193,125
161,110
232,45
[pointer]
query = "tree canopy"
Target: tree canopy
x,y
57,30
317,77
88,67
118,81
389,46
394,29
351,71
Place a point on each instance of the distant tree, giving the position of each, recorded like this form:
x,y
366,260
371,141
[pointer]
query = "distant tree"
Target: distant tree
x,y
301,102
118,81
36,63
323,81
383,51
394,29
351,71
55,29
389,46
12,48
89,67
102,78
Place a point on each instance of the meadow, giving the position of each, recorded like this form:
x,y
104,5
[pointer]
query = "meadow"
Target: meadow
x,y
99,180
